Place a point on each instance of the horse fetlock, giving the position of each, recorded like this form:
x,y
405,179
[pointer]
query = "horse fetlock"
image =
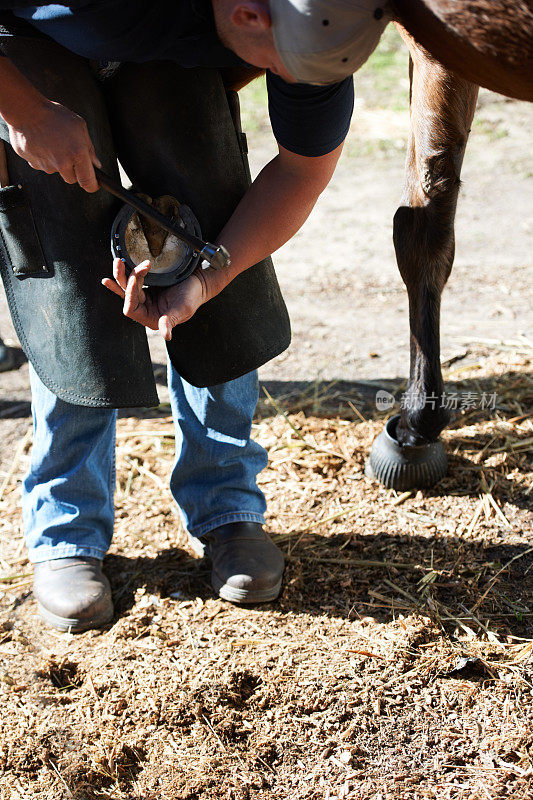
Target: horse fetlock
x,y
423,425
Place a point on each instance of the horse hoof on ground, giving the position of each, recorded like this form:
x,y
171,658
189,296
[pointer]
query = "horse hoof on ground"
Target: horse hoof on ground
x,y
404,467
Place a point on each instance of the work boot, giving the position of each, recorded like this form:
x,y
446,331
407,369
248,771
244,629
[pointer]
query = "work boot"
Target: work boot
x,y
72,593
247,565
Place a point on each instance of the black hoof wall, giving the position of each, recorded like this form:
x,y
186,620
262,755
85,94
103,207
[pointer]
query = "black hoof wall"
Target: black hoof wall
x,y
404,467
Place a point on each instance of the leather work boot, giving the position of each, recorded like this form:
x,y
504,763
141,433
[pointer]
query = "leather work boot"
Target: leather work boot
x,y
72,593
247,565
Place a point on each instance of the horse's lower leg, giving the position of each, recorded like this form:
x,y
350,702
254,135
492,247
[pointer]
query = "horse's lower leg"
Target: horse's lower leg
x,y
442,108
408,454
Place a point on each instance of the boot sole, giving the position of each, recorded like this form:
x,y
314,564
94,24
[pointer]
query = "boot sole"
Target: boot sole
x,y
72,625
245,596
231,593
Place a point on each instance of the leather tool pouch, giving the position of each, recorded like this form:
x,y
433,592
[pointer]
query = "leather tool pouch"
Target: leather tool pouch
x,y
19,234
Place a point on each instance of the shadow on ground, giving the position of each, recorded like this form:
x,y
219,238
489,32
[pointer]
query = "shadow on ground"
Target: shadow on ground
x,y
362,576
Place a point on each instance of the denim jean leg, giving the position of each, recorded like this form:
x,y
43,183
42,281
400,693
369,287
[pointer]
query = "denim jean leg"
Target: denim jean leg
x,y
68,493
217,462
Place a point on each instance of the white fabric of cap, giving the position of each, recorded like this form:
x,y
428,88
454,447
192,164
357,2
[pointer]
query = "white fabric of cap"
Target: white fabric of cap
x,y
324,41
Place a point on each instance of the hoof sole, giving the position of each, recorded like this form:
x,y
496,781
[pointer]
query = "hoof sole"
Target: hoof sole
x,y
405,467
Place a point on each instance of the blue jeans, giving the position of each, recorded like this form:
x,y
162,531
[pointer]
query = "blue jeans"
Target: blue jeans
x,y
67,496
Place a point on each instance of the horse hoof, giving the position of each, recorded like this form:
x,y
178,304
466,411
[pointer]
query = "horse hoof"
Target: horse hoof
x,y
404,467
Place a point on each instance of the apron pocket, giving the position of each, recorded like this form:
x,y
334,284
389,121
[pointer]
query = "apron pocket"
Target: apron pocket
x,y
19,234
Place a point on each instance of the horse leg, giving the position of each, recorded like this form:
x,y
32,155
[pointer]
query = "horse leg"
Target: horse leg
x,y
442,109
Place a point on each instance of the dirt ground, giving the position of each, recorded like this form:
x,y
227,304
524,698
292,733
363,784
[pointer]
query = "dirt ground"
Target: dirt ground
x,y
398,662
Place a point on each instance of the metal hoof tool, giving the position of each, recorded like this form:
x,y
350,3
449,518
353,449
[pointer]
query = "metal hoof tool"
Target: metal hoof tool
x,y
216,255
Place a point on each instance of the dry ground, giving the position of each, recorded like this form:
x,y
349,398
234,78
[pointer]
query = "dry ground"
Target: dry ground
x,y
398,662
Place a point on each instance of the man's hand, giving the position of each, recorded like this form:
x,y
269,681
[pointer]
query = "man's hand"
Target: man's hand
x,y
54,139
46,134
272,210
158,309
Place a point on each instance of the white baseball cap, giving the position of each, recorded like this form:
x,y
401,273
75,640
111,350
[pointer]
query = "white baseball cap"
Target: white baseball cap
x,y
324,41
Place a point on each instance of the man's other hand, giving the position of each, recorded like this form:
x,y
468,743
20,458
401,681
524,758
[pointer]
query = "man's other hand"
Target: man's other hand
x,y
54,139
158,309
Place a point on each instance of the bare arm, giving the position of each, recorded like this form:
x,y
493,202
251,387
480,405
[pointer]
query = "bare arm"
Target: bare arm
x,y
273,209
47,135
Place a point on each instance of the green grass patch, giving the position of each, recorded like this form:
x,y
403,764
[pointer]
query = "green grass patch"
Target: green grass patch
x,y
254,106
383,82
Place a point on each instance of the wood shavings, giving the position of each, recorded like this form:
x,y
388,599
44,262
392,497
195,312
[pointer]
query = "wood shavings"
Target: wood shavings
x,y
398,662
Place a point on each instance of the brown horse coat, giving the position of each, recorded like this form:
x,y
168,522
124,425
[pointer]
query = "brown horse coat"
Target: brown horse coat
x,y
487,42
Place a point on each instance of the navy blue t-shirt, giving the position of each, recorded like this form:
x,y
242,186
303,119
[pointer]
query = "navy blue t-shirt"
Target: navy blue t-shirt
x,y
307,120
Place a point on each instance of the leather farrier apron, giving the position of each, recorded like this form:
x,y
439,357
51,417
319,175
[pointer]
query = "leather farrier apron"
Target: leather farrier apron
x,y
173,132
